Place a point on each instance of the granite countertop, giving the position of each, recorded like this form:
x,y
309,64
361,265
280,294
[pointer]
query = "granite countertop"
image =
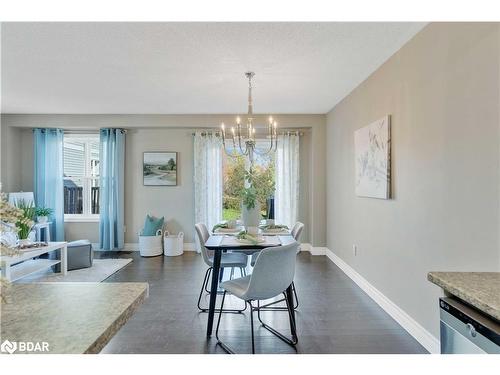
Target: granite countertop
x,y
71,317
479,289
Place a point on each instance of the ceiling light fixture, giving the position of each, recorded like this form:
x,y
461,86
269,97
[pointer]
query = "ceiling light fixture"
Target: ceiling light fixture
x,y
245,135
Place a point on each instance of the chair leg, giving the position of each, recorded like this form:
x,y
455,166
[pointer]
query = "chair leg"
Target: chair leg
x,y
269,306
207,283
295,296
293,327
231,274
226,348
205,286
220,315
290,341
251,325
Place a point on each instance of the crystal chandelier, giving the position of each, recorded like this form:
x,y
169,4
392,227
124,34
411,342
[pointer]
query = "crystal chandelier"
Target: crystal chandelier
x,y
243,137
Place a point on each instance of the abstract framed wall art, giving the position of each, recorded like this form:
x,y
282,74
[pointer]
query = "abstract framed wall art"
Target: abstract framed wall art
x,y
372,152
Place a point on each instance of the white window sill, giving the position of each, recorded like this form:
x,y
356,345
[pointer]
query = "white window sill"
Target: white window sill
x,y
81,219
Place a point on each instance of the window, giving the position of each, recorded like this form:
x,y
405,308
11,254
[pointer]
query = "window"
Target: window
x,y
234,180
81,177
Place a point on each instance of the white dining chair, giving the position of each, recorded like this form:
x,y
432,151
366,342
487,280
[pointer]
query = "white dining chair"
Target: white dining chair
x,y
228,260
296,232
272,275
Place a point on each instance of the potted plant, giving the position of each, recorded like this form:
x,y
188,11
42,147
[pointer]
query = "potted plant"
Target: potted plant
x,y
42,214
8,237
259,186
25,223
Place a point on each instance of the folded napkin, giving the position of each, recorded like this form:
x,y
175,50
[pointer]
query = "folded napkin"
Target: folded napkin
x,y
220,225
224,227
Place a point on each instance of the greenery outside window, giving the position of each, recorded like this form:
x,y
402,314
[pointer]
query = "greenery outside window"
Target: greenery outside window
x,y
234,180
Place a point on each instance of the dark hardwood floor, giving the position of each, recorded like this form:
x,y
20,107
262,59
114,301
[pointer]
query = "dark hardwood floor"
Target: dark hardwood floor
x,y
334,316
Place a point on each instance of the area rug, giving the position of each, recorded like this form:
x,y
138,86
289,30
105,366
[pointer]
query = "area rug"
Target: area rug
x,y
100,271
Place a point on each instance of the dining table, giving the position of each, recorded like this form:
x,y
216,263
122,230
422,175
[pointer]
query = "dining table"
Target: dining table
x,y
220,243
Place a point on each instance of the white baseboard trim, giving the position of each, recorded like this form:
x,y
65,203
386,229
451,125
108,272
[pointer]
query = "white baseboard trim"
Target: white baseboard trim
x,y
134,246
314,250
131,246
189,246
424,337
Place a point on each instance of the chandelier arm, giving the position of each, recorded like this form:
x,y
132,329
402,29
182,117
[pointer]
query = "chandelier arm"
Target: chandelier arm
x,y
274,137
261,153
234,143
239,143
271,144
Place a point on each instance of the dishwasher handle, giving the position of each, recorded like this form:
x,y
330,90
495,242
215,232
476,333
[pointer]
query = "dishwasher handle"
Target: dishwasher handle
x,y
472,330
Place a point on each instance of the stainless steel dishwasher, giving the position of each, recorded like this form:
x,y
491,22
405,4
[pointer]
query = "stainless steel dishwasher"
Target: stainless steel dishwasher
x,y
464,330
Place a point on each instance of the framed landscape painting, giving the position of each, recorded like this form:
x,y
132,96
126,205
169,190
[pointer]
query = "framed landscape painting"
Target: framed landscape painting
x,y
372,153
159,168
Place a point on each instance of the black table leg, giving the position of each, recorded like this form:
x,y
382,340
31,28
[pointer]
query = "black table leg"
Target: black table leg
x,y
289,297
213,292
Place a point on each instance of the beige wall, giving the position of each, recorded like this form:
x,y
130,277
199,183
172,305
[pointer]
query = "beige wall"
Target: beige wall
x,y
10,161
173,202
170,133
442,91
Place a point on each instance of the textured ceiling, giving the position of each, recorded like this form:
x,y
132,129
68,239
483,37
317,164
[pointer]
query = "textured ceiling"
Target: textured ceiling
x,y
189,68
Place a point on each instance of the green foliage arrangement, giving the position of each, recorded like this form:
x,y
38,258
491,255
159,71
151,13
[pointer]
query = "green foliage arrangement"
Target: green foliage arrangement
x,y
249,197
261,186
43,211
8,216
244,235
25,223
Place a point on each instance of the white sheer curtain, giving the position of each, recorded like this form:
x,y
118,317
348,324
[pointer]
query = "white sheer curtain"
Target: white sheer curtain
x,y
207,180
286,197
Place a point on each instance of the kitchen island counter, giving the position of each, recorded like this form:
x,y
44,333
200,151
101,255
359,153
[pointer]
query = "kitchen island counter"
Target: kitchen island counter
x,y
70,317
479,289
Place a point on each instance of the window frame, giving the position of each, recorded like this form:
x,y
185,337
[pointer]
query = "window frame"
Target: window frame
x,y
87,179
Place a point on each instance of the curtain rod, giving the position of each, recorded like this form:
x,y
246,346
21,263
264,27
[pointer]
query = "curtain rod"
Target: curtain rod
x,y
216,132
88,131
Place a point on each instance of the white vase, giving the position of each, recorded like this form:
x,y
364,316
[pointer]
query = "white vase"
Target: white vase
x,y
251,217
42,219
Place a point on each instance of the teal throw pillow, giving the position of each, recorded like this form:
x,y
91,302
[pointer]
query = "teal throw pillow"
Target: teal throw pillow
x,y
152,225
